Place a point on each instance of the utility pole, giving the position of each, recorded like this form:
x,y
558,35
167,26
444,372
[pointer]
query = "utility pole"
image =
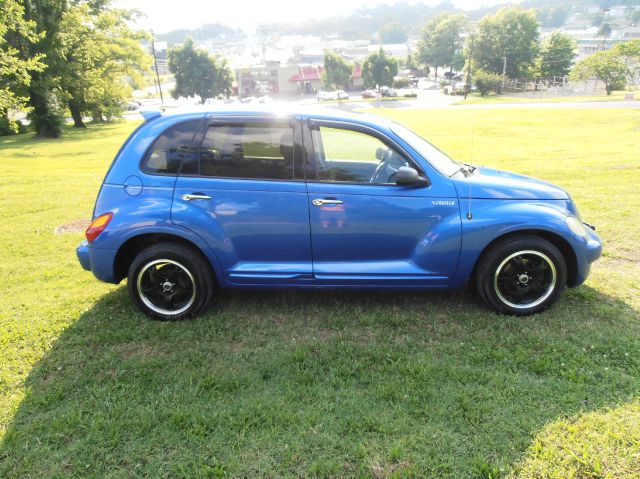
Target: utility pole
x,y
504,73
155,62
468,83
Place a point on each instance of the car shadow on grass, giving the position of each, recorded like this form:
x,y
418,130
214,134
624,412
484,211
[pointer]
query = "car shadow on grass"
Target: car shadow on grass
x,y
325,384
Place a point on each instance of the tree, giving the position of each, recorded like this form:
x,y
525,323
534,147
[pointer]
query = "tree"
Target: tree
x,y
410,62
606,66
379,69
441,39
597,20
46,112
198,73
603,32
15,67
552,17
629,54
458,61
337,72
102,55
392,33
556,55
510,33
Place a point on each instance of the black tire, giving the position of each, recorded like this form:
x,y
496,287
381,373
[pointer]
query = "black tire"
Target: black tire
x,y
169,281
521,275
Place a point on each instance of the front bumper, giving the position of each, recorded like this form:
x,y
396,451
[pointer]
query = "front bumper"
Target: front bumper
x,y
99,261
586,253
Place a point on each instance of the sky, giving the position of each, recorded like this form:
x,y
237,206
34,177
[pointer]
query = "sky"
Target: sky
x,y
248,14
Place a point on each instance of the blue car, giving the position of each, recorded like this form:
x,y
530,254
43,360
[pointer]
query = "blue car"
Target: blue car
x,y
198,202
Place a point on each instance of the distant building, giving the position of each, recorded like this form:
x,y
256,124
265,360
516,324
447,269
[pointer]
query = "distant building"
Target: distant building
x,y
271,78
398,50
589,42
619,11
274,78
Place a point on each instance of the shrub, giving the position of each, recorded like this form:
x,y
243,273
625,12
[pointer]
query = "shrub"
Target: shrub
x,y
11,127
486,82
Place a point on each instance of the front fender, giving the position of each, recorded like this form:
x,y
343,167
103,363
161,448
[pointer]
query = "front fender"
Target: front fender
x,y
492,219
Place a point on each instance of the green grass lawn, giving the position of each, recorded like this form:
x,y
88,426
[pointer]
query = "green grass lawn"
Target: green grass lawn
x,y
615,96
324,384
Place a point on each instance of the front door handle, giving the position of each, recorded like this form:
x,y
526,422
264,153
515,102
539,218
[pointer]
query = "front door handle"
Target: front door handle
x,y
195,196
323,202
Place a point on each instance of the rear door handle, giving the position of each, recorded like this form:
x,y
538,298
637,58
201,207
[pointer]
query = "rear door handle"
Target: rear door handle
x,y
323,202
195,196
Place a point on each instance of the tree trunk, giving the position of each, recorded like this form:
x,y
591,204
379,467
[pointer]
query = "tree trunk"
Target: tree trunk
x,y
436,72
97,117
44,120
76,114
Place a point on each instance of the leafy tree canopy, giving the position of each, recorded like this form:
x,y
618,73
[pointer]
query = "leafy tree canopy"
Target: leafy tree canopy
x,y
337,72
510,33
606,66
441,39
556,55
392,33
198,73
379,69
102,57
15,66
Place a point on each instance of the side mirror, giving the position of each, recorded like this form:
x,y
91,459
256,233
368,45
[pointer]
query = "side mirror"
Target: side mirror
x,y
407,176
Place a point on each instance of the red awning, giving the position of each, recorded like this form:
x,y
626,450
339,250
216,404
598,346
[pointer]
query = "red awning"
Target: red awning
x,y
307,74
357,71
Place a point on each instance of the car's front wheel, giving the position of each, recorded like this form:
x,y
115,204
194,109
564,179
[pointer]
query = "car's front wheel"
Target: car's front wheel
x,y
521,275
169,281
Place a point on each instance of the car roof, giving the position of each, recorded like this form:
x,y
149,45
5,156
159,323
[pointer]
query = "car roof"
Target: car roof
x,y
277,110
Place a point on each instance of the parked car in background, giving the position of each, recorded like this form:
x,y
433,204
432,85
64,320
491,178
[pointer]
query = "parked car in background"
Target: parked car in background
x,y
388,91
195,203
131,105
332,95
370,94
453,76
459,88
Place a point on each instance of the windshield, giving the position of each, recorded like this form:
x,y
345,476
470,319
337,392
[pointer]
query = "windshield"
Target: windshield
x,y
438,159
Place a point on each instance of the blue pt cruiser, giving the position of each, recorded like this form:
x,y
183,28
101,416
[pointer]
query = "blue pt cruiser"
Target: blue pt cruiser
x,y
207,200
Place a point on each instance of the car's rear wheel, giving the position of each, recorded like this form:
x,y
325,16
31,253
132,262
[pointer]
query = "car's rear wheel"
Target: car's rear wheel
x,y
169,281
521,275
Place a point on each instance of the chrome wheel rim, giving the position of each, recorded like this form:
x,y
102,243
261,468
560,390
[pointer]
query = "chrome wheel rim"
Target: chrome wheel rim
x,y
525,279
166,287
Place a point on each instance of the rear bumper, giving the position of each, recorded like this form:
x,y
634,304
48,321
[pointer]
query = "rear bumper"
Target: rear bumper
x,y
82,251
99,261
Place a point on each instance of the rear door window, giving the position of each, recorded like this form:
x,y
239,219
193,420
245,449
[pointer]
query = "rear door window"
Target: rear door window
x,y
248,150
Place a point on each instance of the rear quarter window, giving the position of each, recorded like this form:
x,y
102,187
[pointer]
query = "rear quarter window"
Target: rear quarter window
x,y
173,147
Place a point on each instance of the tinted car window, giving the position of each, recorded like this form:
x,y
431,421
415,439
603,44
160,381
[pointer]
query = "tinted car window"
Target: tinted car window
x,y
171,148
250,150
343,155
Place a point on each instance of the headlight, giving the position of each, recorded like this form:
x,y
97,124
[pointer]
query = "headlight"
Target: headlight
x,y
576,226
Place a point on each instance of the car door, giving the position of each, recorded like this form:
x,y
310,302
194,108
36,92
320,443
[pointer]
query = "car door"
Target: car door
x,y
365,229
244,193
